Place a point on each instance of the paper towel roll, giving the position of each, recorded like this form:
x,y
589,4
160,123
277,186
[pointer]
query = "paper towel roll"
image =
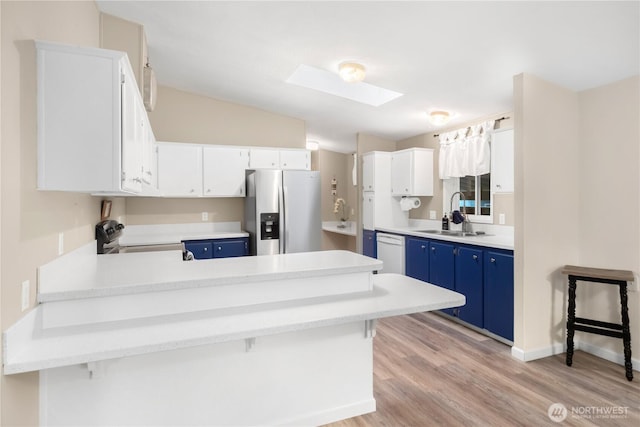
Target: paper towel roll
x,y
407,203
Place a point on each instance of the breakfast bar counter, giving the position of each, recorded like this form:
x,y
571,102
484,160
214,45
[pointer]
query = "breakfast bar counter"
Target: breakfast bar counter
x,y
277,340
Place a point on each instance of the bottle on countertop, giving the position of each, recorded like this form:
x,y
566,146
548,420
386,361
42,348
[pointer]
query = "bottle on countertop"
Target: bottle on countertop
x,y
445,222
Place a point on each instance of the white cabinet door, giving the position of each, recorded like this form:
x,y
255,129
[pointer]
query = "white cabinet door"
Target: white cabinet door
x,y
368,210
179,170
368,171
132,135
412,172
295,159
376,171
264,158
502,161
224,171
401,165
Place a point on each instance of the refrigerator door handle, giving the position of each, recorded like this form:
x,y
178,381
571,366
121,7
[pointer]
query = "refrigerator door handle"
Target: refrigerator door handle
x,y
283,217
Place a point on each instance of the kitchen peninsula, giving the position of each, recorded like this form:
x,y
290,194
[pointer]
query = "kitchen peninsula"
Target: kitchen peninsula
x,y
146,338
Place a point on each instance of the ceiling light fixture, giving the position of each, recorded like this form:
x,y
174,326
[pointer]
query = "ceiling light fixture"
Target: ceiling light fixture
x,y
439,118
351,72
312,145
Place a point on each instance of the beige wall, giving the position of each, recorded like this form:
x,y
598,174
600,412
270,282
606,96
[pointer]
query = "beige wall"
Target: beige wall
x,y
609,201
336,165
547,190
185,117
31,220
119,34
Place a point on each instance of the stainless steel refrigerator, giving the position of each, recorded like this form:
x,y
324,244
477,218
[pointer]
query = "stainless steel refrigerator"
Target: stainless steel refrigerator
x,y
282,211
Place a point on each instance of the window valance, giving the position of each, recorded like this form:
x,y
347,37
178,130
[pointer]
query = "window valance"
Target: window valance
x,y
466,152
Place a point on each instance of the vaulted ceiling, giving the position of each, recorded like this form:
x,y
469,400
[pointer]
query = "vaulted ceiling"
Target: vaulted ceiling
x,y
451,55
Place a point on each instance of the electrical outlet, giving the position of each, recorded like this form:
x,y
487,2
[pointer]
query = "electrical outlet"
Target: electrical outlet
x,y
501,219
26,290
205,216
60,243
432,215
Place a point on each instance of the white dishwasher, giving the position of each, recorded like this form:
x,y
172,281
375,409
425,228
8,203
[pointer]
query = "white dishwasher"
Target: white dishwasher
x,y
391,252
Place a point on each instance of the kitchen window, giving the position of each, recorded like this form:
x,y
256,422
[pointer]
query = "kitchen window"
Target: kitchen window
x,y
477,195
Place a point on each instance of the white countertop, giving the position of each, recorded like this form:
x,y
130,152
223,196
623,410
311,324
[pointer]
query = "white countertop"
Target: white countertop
x,y
83,274
497,237
156,234
349,228
29,348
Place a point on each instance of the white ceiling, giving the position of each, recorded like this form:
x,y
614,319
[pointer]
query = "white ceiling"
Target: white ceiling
x,y
457,56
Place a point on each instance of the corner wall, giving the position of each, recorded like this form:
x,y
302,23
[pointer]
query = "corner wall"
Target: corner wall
x,y
609,157
32,220
547,197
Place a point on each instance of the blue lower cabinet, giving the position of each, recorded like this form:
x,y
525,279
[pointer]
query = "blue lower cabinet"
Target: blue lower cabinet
x,y
417,258
469,283
201,249
442,267
498,293
369,243
228,248
219,248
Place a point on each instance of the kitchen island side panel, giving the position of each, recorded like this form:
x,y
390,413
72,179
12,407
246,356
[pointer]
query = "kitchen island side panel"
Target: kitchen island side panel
x,y
306,377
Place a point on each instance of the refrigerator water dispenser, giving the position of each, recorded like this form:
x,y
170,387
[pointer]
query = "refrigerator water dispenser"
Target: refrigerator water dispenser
x,y
269,226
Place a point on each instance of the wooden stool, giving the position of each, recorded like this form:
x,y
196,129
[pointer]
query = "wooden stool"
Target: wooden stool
x,y
612,277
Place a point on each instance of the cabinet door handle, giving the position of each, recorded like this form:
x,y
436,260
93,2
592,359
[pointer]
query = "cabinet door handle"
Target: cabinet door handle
x,y
423,247
219,248
475,257
208,190
433,249
205,249
493,260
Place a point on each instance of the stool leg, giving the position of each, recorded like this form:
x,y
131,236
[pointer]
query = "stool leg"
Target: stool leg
x,y
571,319
626,332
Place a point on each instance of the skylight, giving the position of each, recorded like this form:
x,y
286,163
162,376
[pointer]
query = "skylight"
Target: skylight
x,y
327,82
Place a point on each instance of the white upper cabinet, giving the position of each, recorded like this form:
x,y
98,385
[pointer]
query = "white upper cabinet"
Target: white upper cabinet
x,y
274,158
90,116
502,161
295,159
412,172
224,171
179,170
376,173
264,158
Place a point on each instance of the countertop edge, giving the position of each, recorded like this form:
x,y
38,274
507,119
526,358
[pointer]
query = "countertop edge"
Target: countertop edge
x,y
393,295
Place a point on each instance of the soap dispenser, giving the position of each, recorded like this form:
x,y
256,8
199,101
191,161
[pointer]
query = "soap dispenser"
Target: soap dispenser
x,y
445,222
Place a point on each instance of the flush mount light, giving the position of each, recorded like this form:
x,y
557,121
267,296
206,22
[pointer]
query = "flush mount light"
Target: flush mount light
x,y
351,72
439,118
312,145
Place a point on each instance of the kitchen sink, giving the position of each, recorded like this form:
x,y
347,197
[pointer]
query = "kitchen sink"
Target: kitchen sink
x,y
456,233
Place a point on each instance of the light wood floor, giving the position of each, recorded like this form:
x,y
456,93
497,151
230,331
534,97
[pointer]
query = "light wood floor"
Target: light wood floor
x,y
429,371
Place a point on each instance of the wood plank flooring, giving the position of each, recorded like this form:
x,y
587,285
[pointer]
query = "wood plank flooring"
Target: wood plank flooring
x,y
429,371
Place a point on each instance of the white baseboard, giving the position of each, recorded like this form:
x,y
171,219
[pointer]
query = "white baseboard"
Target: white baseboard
x,y
333,414
615,357
609,355
539,353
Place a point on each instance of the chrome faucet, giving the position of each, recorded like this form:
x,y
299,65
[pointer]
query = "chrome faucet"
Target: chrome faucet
x,y
465,222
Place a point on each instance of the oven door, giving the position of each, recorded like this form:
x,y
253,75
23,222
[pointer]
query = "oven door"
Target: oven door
x,y
186,255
